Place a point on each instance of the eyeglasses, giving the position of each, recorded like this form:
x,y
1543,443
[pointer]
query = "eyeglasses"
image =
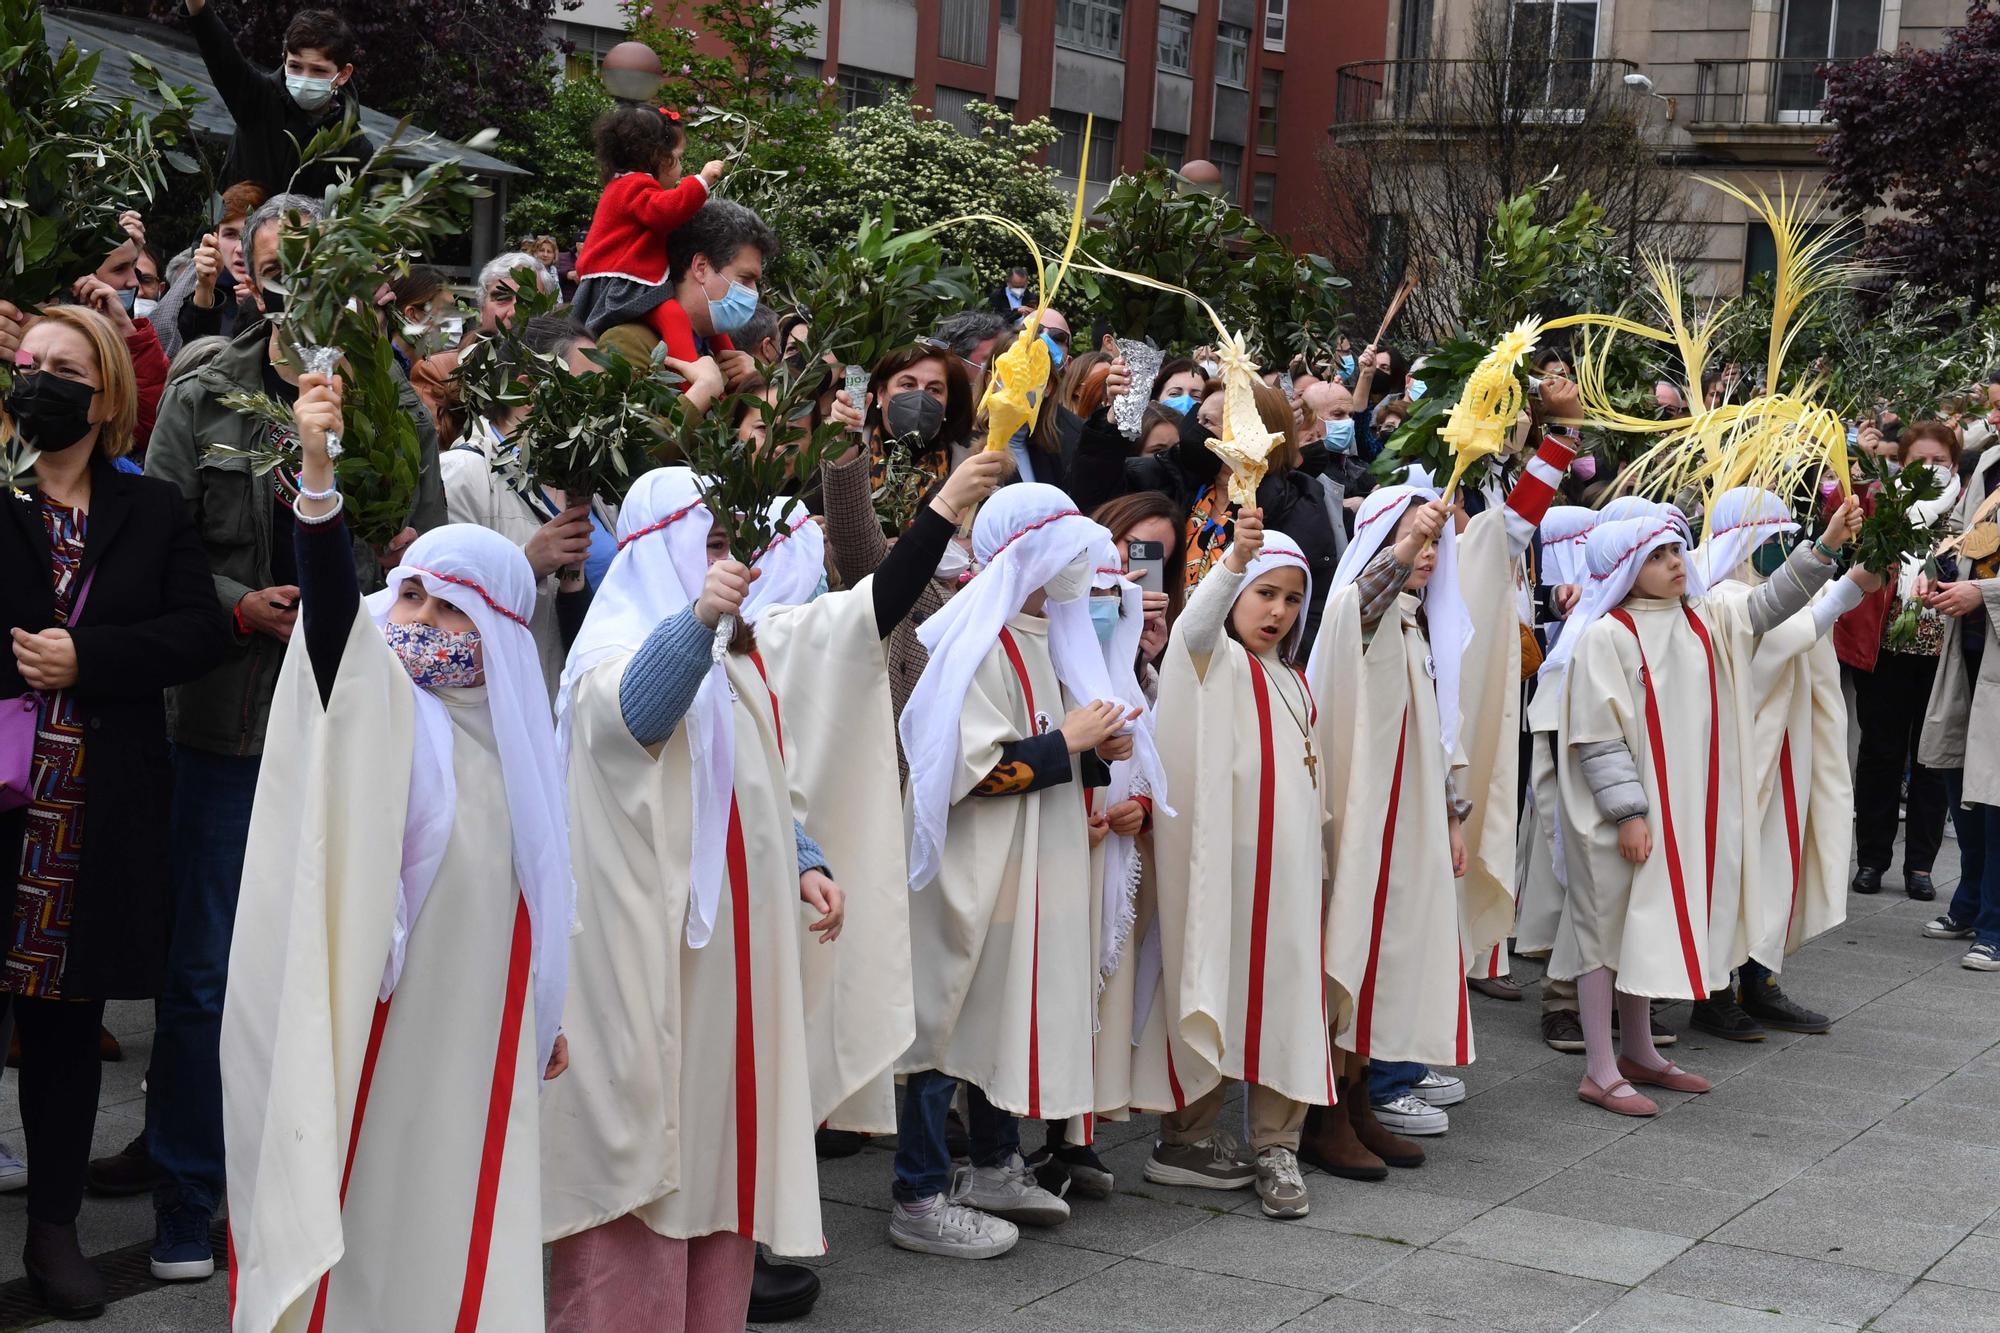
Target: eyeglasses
x,y
1060,336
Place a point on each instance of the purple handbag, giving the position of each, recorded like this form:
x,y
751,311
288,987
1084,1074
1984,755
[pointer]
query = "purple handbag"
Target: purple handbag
x,y
17,731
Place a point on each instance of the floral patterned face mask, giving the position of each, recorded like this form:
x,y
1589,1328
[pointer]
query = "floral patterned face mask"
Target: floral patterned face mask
x,y
436,658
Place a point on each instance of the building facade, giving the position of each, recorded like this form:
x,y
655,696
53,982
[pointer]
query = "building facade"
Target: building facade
x,y
1732,88
1245,84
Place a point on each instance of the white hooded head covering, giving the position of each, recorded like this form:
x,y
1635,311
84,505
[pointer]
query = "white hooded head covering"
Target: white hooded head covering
x,y
1615,551
661,563
1626,506
485,575
1565,529
1744,519
1026,537
1281,552
790,570
1120,884
1444,601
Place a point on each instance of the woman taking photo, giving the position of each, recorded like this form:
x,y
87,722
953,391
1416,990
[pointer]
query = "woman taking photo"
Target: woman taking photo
x,y
108,602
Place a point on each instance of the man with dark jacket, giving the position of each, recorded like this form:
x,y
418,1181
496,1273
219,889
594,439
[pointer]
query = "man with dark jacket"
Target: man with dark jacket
x,y
217,727
277,111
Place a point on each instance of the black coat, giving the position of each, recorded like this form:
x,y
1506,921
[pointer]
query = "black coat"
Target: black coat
x,y
150,621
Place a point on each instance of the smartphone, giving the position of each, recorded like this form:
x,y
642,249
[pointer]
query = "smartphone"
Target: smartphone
x,y
1853,436
1149,561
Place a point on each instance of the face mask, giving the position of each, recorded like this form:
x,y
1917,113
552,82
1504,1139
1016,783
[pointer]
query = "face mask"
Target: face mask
x,y
52,413
735,309
1769,558
819,589
1584,468
143,307
436,658
274,300
310,94
1210,368
127,297
914,412
1056,353
1347,365
1071,581
955,564
1944,472
1340,435
1416,389
1104,613
1183,403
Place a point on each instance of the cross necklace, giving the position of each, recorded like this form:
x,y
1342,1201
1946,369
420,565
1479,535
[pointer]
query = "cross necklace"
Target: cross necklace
x,y
1305,732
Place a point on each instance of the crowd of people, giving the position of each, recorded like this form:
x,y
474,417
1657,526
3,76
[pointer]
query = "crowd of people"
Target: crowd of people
x,y
487,903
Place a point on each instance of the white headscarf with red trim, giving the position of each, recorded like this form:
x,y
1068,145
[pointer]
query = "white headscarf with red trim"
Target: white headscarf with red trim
x,y
1744,520
485,575
1564,530
790,570
661,563
1281,552
1444,600
1615,552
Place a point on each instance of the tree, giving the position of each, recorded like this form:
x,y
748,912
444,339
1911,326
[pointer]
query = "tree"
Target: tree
x,y
1920,131
563,195
455,66
1444,143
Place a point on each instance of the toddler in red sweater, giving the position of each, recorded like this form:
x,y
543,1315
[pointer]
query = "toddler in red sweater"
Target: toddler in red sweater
x,y
622,271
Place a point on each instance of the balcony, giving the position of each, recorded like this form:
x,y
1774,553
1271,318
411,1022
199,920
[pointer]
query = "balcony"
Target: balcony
x,y
1455,98
1760,110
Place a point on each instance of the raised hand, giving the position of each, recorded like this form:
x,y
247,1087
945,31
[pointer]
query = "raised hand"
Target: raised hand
x,y
723,590
1248,542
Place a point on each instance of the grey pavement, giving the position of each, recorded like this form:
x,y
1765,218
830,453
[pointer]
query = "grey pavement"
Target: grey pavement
x,y
1835,1182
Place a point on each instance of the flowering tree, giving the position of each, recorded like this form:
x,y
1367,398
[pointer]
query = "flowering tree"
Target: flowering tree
x,y
563,194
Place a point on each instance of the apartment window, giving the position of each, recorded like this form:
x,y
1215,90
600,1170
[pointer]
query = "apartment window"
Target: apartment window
x,y
1274,25
962,31
952,106
1066,156
864,87
1010,15
1263,189
1228,159
1553,42
1176,41
1091,25
1814,33
1232,55
1269,83
1170,148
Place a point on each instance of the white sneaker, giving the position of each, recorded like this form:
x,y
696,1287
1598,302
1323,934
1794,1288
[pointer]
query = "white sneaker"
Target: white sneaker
x,y
13,1171
1410,1114
952,1230
1279,1184
1009,1190
1981,958
1440,1089
1947,927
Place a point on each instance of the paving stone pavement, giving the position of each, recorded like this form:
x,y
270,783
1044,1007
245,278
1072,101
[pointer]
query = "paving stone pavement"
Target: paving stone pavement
x,y
1834,1182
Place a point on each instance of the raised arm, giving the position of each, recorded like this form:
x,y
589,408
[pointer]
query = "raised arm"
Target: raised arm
x,y
329,587
663,677
906,571
1808,568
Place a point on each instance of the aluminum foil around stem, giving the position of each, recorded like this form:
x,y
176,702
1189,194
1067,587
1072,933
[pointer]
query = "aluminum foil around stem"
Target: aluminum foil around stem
x,y
725,630
1142,362
321,361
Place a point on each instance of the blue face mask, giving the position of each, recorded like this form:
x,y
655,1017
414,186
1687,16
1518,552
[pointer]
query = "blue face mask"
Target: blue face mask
x,y
1056,353
1104,616
1340,435
819,589
1416,389
1182,403
735,308
1347,366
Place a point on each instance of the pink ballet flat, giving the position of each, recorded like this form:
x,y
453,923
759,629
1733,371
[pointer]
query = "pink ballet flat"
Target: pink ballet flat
x,y
1673,1077
1630,1103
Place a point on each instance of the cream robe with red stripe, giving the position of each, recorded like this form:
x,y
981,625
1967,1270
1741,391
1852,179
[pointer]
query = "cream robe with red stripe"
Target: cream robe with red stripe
x,y
1111,1038
688,1104
1394,931
1240,881
1001,939
1649,923
1490,735
829,667
395,1144
1540,895
1794,767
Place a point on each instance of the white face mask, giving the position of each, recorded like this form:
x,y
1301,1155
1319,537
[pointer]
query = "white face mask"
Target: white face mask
x,y
1071,581
954,563
310,94
142,306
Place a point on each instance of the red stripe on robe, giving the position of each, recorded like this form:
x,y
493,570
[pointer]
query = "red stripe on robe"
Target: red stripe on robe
x,y
499,1103
375,1028
1260,897
1035,971
1714,742
1364,1009
1792,841
746,1028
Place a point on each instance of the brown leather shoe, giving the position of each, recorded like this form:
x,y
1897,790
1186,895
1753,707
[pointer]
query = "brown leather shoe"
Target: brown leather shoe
x,y
1328,1143
1391,1148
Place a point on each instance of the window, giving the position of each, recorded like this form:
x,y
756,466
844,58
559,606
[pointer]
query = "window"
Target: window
x,y
1554,43
1170,148
1815,33
1268,84
1232,55
1263,189
864,87
1010,15
951,106
962,31
1091,25
1176,41
1228,159
1064,157
1274,25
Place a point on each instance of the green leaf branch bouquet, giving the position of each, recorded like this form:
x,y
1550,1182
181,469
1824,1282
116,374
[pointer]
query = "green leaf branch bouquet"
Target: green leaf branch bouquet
x,y
1888,532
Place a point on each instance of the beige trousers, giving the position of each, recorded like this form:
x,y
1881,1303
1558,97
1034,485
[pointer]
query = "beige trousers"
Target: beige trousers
x,y
1275,1120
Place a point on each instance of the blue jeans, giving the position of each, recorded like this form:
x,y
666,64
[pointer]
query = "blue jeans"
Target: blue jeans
x,y
923,1163
1390,1079
1977,902
211,822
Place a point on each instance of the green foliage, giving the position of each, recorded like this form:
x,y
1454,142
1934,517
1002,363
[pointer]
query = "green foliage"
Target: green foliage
x,y
1887,533
376,223
865,293
1285,304
556,146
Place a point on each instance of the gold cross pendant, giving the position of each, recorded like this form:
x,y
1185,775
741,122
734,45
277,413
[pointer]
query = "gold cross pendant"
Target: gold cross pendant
x,y
1312,764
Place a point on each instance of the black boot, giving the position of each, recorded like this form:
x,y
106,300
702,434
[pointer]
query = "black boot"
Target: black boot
x,y
129,1171
58,1273
1768,1005
1721,1016
1867,879
781,1291
831,1143
1917,883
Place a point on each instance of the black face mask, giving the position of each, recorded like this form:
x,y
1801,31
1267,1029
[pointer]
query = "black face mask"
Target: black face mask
x,y
1769,558
914,412
1193,455
53,413
274,300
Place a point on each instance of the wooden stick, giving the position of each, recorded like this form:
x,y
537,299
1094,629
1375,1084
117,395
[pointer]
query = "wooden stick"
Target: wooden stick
x,y
1403,290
